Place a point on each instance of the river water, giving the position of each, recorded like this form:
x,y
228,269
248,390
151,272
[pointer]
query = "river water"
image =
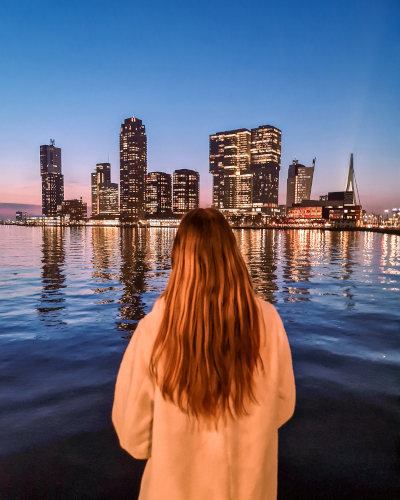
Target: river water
x,y
71,298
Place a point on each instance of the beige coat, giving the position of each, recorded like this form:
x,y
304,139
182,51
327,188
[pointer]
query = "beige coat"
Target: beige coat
x,y
237,461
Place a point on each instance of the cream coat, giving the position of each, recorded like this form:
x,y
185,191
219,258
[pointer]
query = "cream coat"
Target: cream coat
x,y
236,462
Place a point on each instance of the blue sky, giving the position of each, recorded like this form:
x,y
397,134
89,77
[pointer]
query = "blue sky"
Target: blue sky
x,y
326,73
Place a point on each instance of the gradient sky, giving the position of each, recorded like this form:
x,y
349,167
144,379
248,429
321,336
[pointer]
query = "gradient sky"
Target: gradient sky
x,y
326,73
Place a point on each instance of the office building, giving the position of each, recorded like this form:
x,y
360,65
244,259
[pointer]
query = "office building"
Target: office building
x,y
230,159
104,193
185,190
108,200
245,166
158,193
52,179
265,165
75,209
133,169
20,216
299,183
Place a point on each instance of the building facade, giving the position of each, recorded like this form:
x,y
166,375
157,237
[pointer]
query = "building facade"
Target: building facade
x,y
299,183
245,166
75,209
20,216
104,192
52,180
229,159
158,193
265,164
185,190
133,170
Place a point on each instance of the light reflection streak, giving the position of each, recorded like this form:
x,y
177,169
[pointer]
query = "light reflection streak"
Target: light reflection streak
x,y
52,298
134,267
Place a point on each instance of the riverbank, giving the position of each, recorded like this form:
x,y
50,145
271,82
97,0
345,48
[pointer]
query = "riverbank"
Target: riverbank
x,y
395,231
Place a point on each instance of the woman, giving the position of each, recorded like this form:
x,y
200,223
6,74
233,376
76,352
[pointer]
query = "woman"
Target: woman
x,y
207,378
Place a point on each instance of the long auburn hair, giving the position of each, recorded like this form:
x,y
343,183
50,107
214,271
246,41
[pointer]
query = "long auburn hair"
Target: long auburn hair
x,y
208,344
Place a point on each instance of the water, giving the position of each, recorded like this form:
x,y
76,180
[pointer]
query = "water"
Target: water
x,y
71,298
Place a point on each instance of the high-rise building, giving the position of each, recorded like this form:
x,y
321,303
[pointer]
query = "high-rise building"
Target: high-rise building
x,y
245,167
265,164
299,183
52,179
158,193
185,190
108,200
104,192
20,216
230,159
76,209
133,169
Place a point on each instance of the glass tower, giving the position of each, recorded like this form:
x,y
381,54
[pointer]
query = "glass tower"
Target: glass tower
x,y
299,183
52,180
158,193
265,164
133,169
185,190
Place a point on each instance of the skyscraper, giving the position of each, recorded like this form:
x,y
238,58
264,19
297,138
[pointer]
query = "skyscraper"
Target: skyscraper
x,y
104,192
245,166
133,169
265,164
299,183
158,193
185,190
52,179
229,161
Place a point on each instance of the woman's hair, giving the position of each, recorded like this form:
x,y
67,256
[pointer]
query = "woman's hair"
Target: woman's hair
x,y
208,344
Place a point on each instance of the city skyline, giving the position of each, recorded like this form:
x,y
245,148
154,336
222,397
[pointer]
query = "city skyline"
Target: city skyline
x,y
331,89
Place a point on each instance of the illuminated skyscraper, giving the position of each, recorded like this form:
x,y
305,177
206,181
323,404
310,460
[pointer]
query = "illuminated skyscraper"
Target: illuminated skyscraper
x,y
108,199
229,161
245,167
158,193
299,183
104,192
52,180
265,164
185,190
133,169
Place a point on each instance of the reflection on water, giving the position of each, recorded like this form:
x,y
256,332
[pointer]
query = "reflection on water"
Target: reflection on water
x,y
300,259
71,297
105,255
130,268
260,250
52,298
134,251
336,291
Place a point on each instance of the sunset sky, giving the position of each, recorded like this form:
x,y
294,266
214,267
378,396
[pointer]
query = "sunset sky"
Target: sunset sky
x,y
326,73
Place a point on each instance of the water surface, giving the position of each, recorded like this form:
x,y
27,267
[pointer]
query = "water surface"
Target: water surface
x,y
70,298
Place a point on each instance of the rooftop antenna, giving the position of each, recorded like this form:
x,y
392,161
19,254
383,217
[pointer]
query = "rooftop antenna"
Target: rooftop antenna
x,y
313,162
52,142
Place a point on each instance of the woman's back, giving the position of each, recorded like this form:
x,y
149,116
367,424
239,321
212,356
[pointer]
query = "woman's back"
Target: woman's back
x,y
207,378
188,458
